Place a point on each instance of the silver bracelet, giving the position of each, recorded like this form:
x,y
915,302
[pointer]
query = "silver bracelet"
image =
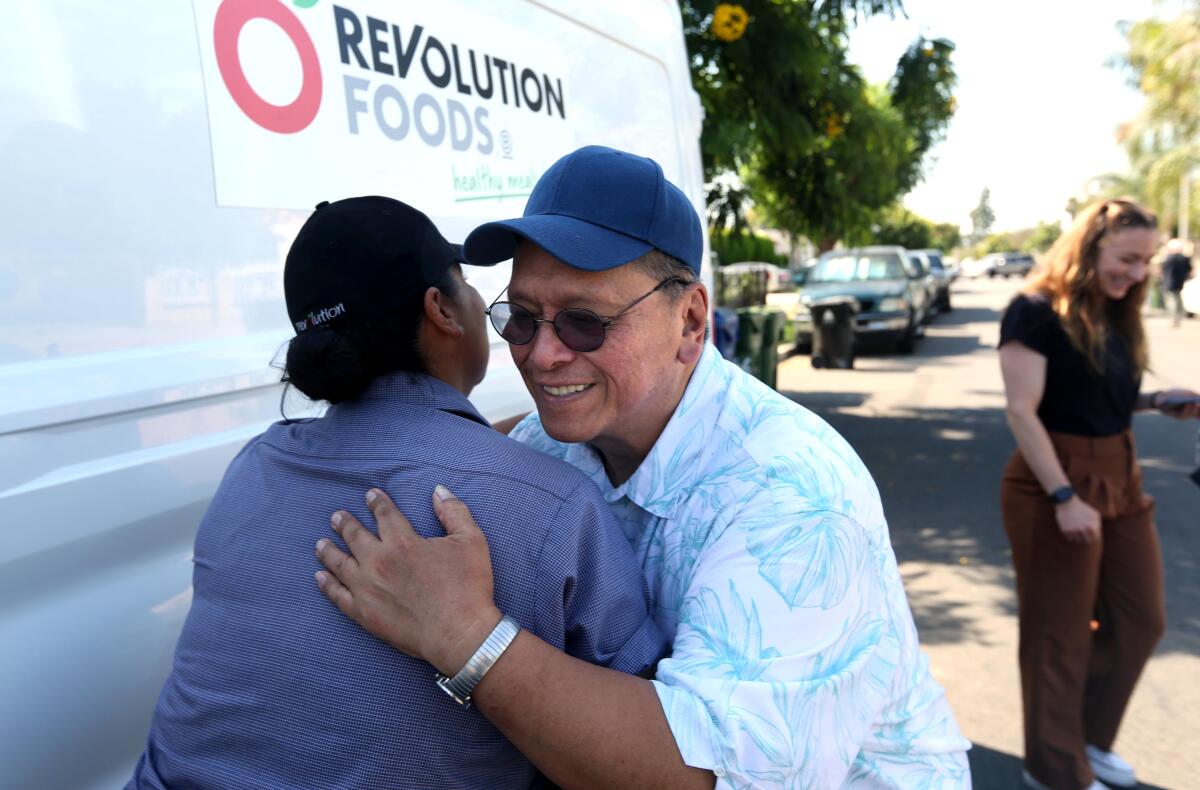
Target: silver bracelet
x,y
463,684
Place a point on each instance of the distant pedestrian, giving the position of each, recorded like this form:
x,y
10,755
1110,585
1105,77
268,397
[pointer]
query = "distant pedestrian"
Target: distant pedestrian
x,y
1084,545
1176,269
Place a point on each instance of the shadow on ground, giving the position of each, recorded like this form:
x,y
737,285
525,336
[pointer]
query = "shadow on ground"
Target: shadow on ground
x,y
935,349
996,770
938,471
968,315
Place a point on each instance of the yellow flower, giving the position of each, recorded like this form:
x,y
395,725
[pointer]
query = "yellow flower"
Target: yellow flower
x,y
729,21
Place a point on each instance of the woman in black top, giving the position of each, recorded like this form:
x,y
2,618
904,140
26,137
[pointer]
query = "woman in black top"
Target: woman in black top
x,y
1085,550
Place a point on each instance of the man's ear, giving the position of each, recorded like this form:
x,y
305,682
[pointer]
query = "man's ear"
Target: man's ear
x,y
695,321
441,314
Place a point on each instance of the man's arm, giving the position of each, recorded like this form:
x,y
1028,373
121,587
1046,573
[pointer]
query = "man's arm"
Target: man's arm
x,y
581,725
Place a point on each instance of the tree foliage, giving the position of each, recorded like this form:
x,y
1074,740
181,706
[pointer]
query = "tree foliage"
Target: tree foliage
x,y
814,147
946,236
1163,141
1042,237
996,242
982,216
733,246
1032,240
898,225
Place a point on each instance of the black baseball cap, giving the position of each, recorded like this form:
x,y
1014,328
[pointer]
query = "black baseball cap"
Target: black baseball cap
x,y
359,260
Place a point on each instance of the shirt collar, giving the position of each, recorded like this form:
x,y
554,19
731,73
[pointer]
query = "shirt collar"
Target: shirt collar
x,y
665,476
417,389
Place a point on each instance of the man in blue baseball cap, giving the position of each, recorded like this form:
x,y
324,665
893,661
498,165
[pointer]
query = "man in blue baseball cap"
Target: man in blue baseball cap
x,y
795,660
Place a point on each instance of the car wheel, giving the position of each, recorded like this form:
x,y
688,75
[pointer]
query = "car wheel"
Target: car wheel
x,y
907,343
946,303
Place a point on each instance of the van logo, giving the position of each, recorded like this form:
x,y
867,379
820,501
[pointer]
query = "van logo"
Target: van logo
x,y
445,103
232,16
375,47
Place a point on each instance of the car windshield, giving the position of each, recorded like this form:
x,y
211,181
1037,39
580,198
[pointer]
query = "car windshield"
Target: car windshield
x,y
849,268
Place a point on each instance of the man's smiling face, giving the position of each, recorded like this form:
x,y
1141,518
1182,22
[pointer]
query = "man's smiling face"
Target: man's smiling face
x,y
620,395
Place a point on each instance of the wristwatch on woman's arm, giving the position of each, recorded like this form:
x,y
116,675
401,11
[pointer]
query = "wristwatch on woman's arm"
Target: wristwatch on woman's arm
x,y
1062,495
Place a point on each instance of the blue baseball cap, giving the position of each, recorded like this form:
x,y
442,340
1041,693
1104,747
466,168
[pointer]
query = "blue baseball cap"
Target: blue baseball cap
x,y
596,209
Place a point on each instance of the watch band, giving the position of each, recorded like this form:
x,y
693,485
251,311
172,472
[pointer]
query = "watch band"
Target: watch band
x,y
1060,495
464,682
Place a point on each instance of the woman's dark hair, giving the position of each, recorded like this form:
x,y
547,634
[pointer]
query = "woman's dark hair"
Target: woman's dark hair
x,y
336,361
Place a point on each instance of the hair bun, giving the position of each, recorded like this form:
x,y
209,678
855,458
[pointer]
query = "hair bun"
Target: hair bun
x,y
326,364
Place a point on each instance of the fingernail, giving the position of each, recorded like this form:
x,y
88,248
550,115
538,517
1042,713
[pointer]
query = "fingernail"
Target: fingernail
x,y
336,519
442,493
321,545
371,495
320,577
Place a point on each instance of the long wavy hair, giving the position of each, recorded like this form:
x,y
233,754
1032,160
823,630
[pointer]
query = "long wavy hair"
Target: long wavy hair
x,y
1069,280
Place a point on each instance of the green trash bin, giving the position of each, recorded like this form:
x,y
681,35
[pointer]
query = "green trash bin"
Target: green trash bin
x,y
773,325
751,323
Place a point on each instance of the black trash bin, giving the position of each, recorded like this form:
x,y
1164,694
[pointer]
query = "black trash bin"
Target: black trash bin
x,y
833,332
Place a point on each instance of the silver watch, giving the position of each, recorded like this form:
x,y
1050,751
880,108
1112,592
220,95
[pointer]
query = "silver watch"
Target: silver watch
x,y
463,684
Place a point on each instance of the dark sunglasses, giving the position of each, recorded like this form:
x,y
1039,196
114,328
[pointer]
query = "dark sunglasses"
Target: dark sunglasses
x,y
578,329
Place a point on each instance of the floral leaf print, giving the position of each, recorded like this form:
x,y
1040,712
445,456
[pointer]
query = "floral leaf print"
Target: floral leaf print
x,y
813,563
714,641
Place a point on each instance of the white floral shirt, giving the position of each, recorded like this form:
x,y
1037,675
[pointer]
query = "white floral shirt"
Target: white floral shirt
x,y
795,660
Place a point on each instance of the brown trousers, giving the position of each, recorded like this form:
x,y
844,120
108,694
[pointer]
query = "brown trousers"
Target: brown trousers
x,y
1076,679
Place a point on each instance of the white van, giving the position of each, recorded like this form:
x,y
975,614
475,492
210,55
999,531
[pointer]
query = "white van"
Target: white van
x,y
158,158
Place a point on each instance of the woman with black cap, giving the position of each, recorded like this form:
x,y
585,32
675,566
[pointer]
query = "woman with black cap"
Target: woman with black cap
x,y
271,685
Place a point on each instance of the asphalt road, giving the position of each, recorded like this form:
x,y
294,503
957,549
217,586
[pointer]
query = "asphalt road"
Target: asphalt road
x,y
931,429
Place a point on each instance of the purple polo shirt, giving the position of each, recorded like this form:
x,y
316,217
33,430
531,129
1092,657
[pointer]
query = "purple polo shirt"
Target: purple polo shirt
x,y
273,687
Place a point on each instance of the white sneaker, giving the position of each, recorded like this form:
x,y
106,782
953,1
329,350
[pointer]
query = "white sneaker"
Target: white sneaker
x,y
1110,768
1034,784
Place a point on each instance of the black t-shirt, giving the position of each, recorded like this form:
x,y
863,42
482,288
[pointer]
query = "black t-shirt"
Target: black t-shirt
x,y
1077,399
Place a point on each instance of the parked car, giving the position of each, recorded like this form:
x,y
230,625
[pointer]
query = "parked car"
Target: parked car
x,y
778,278
889,289
920,261
1191,296
1006,264
942,277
